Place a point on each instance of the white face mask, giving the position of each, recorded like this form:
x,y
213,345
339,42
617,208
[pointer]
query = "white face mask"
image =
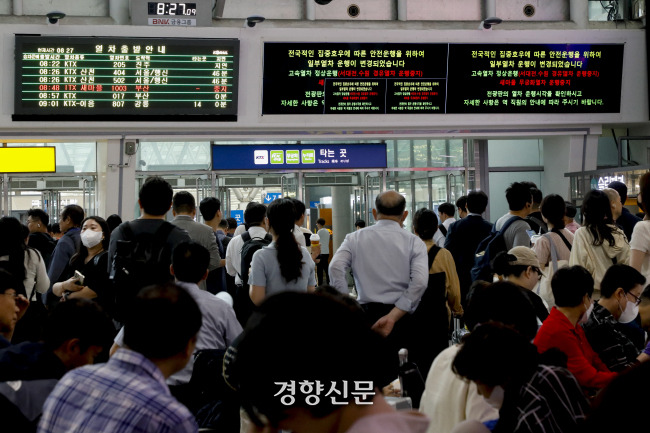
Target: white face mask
x,y
630,313
91,238
585,317
496,398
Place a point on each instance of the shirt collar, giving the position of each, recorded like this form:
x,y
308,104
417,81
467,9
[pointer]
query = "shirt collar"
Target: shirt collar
x,y
187,286
183,217
139,364
562,320
388,223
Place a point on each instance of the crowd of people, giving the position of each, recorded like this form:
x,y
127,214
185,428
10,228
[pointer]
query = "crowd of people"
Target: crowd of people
x,y
170,326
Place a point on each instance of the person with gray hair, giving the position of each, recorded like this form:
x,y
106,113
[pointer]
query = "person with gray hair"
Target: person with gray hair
x,y
390,269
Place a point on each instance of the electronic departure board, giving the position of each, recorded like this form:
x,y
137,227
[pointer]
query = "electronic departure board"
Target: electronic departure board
x,y
107,78
390,78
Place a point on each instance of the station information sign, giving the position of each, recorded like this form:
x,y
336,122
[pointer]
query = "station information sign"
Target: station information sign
x,y
107,78
298,157
408,78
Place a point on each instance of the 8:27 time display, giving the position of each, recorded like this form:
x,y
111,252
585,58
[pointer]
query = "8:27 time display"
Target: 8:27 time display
x,y
169,9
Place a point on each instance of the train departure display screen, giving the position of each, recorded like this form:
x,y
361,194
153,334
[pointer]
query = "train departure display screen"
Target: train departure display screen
x,y
408,78
107,78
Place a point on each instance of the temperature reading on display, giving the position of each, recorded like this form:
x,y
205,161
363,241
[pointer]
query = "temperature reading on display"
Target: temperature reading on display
x,y
169,9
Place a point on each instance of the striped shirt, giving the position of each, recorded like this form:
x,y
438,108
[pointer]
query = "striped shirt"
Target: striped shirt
x,y
613,347
551,401
127,394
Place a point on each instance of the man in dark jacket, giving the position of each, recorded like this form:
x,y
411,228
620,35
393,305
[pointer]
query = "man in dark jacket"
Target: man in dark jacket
x,y
70,223
627,221
39,238
463,237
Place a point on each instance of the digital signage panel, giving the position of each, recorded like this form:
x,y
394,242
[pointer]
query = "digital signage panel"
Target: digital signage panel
x,y
112,78
408,78
298,157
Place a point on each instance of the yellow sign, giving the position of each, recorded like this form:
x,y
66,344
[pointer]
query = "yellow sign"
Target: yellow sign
x,y
27,159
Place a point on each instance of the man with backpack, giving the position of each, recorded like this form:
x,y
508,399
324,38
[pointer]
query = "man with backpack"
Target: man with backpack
x,y
511,230
140,251
240,254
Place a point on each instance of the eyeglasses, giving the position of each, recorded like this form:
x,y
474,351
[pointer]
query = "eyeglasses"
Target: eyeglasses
x,y
637,300
539,274
13,295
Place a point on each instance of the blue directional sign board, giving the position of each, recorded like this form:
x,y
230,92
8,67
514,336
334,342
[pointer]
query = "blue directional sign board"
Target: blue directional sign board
x,y
270,196
298,157
238,215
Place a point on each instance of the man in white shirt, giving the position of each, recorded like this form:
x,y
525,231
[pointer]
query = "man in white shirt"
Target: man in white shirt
x,y
446,213
257,223
323,263
390,268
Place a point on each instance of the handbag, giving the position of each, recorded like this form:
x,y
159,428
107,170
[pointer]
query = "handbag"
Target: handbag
x,y
544,289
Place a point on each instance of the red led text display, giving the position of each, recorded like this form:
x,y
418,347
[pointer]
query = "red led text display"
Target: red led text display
x,y
364,78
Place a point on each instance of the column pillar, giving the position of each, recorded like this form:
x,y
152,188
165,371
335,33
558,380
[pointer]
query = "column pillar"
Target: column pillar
x,y
341,215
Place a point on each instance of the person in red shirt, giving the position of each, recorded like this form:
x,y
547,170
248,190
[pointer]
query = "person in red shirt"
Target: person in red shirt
x,y
572,288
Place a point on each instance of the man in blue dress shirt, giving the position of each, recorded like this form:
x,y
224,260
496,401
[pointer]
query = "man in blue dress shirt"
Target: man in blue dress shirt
x,y
129,393
389,265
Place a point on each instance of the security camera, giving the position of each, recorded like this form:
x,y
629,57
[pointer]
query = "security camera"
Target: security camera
x,y
487,23
323,2
54,17
253,20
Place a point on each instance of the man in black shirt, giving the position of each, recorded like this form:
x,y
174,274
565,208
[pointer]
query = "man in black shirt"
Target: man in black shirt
x,y
39,238
627,221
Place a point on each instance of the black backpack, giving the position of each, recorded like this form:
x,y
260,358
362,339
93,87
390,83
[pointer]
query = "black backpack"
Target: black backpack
x,y
248,249
242,303
443,230
140,260
488,249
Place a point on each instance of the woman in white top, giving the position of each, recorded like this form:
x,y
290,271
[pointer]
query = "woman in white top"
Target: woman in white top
x,y
599,243
640,243
553,209
283,265
23,262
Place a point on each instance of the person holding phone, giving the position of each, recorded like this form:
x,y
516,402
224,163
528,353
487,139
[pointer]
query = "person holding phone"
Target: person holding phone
x,y
90,264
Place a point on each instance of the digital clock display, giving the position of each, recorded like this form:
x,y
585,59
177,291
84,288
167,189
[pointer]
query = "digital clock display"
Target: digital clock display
x,y
172,9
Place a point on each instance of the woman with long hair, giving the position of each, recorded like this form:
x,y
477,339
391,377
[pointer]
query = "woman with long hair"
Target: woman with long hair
x,y
599,243
283,265
25,263
90,264
640,242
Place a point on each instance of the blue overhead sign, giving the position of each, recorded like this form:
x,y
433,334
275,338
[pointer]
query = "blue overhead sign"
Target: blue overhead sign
x,y
238,215
298,157
270,196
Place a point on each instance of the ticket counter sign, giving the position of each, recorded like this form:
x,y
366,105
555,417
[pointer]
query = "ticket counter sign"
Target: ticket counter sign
x,y
298,157
27,159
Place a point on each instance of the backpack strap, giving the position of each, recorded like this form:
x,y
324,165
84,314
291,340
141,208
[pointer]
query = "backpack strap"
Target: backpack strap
x,y
246,237
163,232
127,231
559,233
508,223
433,252
98,257
442,229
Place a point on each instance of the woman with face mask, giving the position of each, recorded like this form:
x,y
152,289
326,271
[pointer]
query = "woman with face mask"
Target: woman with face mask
x,y
510,375
90,265
620,291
